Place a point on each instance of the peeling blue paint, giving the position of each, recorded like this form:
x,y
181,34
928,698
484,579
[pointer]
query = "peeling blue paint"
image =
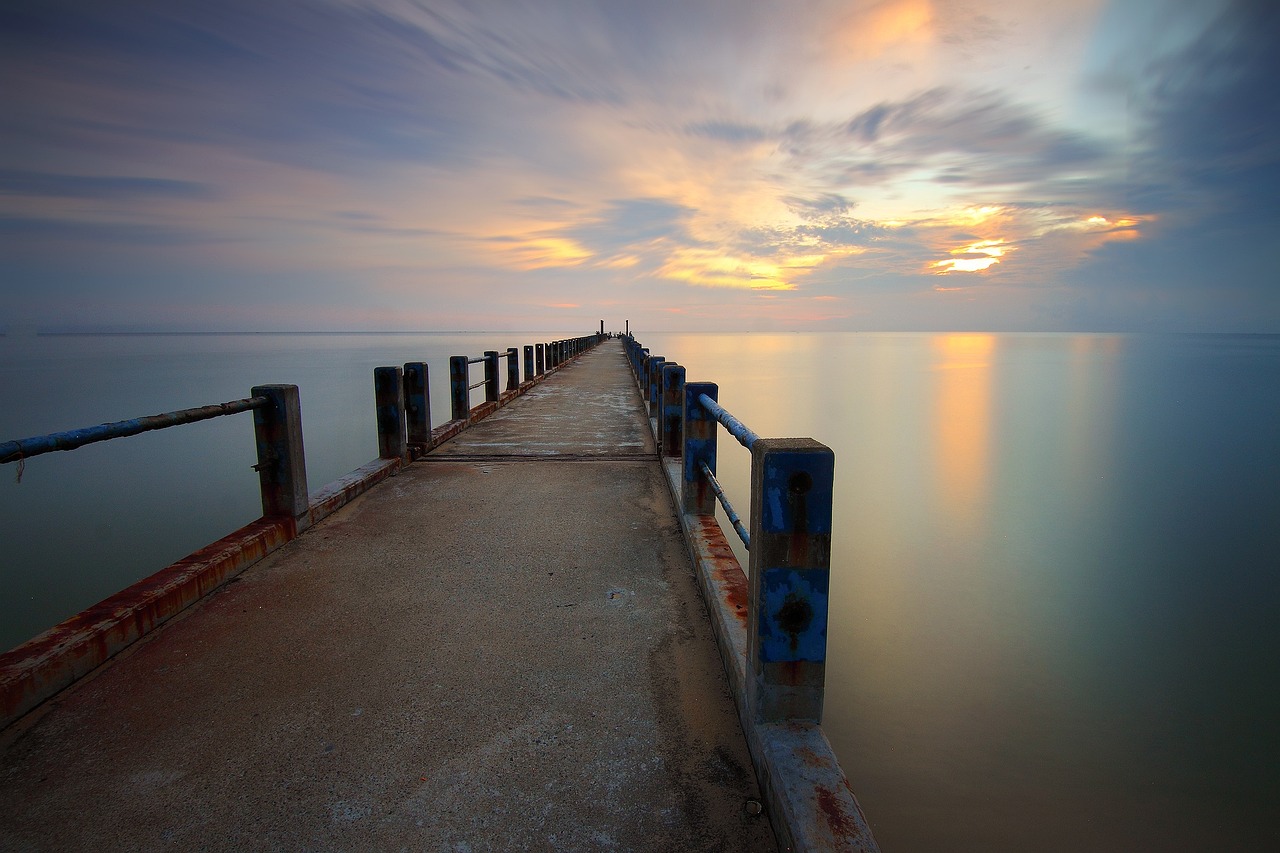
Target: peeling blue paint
x,y
798,481
794,599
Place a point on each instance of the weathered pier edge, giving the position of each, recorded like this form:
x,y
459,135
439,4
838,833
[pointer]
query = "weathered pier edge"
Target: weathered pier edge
x,y
770,623
52,661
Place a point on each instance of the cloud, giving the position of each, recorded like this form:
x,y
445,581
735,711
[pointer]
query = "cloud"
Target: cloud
x,y
728,131
975,139
48,185
1210,117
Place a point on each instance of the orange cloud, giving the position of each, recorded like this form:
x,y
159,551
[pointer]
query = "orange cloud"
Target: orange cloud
x,y
975,257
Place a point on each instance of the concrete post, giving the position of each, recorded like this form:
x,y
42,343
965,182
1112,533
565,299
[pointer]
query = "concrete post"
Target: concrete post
x,y
602,328
790,569
700,428
491,392
513,369
459,388
671,434
417,405
654,380
388,386
540,357
282,467
528,362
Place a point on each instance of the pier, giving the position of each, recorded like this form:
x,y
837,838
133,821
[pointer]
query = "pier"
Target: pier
x,y
523,629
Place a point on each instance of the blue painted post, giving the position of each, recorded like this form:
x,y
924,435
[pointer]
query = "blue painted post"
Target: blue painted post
x,y
513,369
528,362
671,433
388,386
540,357
790,570
655,385
491,392
282,466
641,364
417,406
459,388
700,428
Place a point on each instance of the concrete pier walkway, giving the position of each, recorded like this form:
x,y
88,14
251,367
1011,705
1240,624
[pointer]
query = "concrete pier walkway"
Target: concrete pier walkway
x,y
501,648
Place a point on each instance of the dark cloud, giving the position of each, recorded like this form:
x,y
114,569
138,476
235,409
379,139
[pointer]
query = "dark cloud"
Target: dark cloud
x,y
48,185
819,206
1208,167
963,138
1000,141
316,85
30,233
1211,119
728,131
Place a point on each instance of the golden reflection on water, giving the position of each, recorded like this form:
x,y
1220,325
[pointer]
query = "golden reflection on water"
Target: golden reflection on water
x,y
962,424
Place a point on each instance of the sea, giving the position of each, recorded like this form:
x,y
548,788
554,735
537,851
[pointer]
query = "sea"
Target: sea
x,y
1055,594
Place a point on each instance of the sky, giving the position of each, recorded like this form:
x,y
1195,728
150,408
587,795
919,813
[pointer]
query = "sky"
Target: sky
x,y
391,165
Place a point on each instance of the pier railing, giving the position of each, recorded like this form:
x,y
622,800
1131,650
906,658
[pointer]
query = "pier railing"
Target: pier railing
x,y
772,622
51,661
788,542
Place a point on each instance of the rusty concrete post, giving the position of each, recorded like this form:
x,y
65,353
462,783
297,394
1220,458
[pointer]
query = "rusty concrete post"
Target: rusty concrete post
x,y
790,578
459,388
671,438
417,405
491,392
540,358
282,466
528,362
388,387
653,377
642,362
513,369
699,446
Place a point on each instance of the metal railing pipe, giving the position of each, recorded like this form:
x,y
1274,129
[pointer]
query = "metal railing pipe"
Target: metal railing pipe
x,y
729,511
25,448
736,428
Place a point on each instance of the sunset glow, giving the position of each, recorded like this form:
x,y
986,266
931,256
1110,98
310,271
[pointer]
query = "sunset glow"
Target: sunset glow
x,y
858,151
975,257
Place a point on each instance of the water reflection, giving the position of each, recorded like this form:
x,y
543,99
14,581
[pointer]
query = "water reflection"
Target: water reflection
x,y
962,424
1048,591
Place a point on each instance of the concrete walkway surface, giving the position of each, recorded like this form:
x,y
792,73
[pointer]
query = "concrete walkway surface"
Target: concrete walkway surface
x,y
502,648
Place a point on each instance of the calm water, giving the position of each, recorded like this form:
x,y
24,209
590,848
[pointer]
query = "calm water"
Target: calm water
x,y
1055,587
